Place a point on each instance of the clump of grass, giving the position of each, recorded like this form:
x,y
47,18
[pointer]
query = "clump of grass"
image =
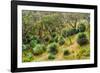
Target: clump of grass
x,y
81,28
70,57
53,35
54,39
39,49
25,59
69,32
66,52
83,53
28,57
53,48
51,57
47,39
82,39
33,43
61,41
25,46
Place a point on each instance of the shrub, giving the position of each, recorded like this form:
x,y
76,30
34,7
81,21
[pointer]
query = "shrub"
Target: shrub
x,y
26,39
82,39
28,57
53,35
25,46
51,57
33,43
39,49
81,28
47,38
25,59
83,53
61,41
70,32
43,47
64,33
55,39
66,52
52,48
51,40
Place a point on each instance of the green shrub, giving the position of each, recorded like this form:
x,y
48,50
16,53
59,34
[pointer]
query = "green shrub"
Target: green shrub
x,y
83,53
25,46
28,57
82,39
51,40
51,57
61,41
33,43
38,49
43,47
81,28
26,39
70,32
53,48
36,39
64,33
55,39
46,38
53,35
66,52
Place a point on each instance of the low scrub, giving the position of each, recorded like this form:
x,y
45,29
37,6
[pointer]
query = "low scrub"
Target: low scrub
x,y
28,57
51,56
52,48
70,32
39,49
66,52
82,39
81,28
25,46
61,41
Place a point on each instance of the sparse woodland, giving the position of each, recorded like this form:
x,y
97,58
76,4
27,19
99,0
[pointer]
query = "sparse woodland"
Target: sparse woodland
x,y
55,36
